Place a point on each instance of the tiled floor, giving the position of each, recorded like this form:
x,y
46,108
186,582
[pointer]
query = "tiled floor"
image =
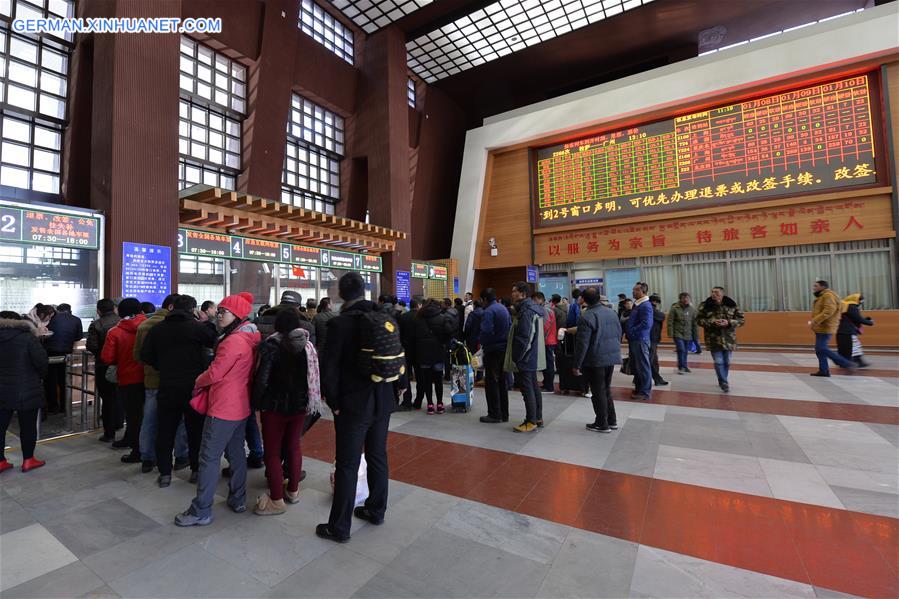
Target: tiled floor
x,y
788,487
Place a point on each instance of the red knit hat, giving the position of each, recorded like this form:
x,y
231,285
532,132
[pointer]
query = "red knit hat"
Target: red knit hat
x,y
239,305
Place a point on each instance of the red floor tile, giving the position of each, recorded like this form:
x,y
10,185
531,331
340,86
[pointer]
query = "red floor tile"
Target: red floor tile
x,y
560,494
678,519
616,505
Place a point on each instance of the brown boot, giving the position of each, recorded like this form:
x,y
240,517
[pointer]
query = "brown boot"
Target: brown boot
x,y
266,506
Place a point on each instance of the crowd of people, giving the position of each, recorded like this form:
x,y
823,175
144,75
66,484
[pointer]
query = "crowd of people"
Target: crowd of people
x,y
186,381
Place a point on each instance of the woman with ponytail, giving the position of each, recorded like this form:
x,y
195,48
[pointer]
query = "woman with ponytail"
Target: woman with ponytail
x,y
225,385
286,389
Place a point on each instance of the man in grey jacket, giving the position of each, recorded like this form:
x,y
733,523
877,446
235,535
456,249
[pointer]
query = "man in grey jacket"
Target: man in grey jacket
x,y
597,352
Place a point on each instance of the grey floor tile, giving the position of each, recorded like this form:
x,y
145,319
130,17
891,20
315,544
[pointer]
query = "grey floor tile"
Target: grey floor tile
x,y
822,592
591,565
679,418
777,446
30,552
134,553
515,533
890,432
12,515
189,572
868,502
441,564
636,447
338,573
709,438
762,423
266,549
72,580
53,508
100,526
104,592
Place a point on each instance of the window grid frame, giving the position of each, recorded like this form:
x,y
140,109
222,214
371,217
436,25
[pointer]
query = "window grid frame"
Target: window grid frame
x,y
32,148
317,23
232,81
374,14
206,163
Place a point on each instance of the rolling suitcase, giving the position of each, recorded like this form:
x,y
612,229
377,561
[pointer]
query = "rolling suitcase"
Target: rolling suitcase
x,y
565,365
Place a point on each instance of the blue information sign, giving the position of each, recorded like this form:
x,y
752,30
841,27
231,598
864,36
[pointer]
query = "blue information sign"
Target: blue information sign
x,y
403,286
532,274
146,271
456,285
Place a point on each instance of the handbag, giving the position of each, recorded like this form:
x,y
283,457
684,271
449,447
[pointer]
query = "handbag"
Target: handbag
x,y
626,366
200,400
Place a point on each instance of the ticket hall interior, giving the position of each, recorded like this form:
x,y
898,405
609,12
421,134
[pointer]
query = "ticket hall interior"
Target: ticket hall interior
x,y
523,298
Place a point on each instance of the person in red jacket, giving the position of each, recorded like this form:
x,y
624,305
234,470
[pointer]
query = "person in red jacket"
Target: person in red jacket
x,y
118,351
227,381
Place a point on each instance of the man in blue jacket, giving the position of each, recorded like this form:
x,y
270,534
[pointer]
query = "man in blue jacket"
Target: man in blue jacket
x,y
67,330
597,352
638,329
495,324
528,352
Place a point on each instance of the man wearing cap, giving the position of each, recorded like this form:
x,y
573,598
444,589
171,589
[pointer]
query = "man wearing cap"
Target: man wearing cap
x,y
290,299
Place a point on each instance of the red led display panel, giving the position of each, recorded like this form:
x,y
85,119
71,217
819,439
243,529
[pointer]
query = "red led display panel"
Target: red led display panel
x,y
805,140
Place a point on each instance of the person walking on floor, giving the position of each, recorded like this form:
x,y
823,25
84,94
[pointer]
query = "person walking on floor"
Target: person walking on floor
x,y
495,325
96,337
824,323
526,354
638,329
851,321
597,353
177,349
118,351
227,385
719,316
67,330
434,329
683,328
362,409
286,387
149,425
551,339
655,337
23,366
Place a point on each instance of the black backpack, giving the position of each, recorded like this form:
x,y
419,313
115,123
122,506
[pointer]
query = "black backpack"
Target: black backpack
x,y
381,353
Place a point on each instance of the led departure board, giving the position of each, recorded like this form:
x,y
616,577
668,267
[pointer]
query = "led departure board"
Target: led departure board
x,y
806,140
223,245
49,228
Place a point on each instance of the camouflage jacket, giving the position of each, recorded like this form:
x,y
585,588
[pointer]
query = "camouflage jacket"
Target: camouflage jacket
x,y
720,338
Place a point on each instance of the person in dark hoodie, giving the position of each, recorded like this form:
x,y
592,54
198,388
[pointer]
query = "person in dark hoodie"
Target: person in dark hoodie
x,y
286,387
96,337
433,331
67,330
362,409
21,370
118,351
720,317
850,329
527,355
495,324
177,349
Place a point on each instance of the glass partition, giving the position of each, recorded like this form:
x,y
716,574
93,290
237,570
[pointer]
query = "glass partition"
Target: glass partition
x,y
202,278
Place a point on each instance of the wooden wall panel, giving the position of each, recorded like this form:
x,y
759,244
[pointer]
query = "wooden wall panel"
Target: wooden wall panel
x,y
506,213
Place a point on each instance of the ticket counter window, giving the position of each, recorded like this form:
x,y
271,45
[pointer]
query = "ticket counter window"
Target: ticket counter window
x,y
31,274
329,287
302,279
202,278
257,278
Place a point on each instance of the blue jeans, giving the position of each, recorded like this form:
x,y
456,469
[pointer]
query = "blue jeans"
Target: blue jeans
x,y
823,351
722,365
682,346
549,375
221,437
149,427
638,353
254,438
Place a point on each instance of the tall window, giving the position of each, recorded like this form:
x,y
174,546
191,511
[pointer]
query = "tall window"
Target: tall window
x,y
315,146
212,106
326,30
34,74
410,92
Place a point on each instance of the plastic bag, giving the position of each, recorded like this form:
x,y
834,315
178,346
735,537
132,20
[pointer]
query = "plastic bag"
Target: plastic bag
x,y
361,481
477,360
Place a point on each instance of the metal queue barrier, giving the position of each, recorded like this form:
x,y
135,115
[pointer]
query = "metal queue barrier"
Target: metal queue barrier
x,y
80,391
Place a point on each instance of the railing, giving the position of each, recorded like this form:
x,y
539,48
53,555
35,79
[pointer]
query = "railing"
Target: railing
x,y
81,402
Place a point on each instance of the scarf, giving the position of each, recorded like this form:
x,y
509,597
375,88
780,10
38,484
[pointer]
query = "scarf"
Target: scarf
x,y
850,300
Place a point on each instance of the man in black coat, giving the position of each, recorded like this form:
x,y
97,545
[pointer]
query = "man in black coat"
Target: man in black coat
x,y
290,300
67,329
177,349
407,337
655,337
362,411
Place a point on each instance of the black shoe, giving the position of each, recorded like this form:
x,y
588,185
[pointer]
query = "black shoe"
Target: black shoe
x,y
416,406
489,420
724,387
614,427
362,513
540,424
506,419
181,464
164,481
226,472
146,466
819,373
106,439
254,463
688,371
404,407
324,531
132,458
121,444
302,475
598,429
661,383
194,475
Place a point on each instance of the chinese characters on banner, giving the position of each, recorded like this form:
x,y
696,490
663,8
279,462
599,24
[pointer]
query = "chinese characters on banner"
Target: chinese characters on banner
x,y
49,228
807,140
146,271
818,222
